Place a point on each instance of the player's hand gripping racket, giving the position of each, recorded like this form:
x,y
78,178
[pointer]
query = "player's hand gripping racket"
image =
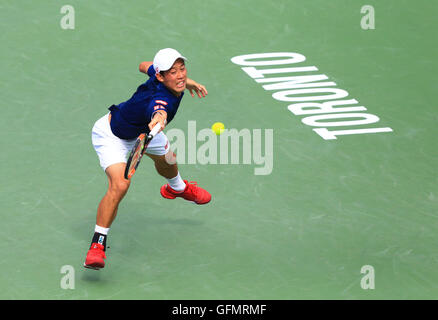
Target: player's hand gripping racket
x,y
138,150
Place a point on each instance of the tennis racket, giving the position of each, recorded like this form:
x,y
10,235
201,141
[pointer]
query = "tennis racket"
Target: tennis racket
x,y
138,151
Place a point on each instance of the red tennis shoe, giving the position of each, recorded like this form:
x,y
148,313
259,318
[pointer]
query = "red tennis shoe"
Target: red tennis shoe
x,y
191,193
95,256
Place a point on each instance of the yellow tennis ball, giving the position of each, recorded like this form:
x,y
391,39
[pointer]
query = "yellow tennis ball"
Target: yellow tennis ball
x,y
218,128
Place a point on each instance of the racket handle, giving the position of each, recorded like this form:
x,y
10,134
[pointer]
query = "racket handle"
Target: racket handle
x,y
155,130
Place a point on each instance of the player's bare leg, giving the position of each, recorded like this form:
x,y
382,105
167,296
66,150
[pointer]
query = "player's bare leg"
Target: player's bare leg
x,y
168,168
106,213
117,188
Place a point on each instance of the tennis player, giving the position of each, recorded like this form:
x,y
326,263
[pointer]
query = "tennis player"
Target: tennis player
x,y
155,101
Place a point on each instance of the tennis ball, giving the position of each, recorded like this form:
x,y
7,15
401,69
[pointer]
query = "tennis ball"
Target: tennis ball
x,y
218,128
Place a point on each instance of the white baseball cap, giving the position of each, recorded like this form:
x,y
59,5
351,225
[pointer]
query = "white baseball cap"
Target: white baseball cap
x,y
165,58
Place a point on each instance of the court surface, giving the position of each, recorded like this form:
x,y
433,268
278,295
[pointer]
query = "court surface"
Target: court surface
x,y
350,218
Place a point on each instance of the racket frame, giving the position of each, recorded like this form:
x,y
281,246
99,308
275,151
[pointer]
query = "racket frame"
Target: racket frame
x,y
142,140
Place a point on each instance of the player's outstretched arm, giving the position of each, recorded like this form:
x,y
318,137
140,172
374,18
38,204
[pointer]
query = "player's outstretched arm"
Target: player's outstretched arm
x,y
144,66
193,87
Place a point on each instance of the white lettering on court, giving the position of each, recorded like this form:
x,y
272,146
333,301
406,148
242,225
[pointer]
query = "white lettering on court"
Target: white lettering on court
x,y
324,105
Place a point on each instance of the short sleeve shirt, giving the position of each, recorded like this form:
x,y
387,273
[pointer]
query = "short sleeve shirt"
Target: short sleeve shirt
x,y
131,118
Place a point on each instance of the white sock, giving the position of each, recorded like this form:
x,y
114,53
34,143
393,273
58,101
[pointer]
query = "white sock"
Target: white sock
x,y
101,230
177,183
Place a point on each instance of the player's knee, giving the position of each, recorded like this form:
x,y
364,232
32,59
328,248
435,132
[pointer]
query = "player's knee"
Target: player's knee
x,y
170,158
120,187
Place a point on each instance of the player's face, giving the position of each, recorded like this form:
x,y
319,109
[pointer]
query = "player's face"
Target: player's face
x,y
175,78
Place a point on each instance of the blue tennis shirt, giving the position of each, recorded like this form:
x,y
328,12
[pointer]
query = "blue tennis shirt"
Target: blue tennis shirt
x,y
131,118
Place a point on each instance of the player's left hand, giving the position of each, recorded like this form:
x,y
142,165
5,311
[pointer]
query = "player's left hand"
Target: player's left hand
x,y
197,88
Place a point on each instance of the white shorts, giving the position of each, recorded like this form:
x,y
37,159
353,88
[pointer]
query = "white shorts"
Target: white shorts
x,y
111,149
